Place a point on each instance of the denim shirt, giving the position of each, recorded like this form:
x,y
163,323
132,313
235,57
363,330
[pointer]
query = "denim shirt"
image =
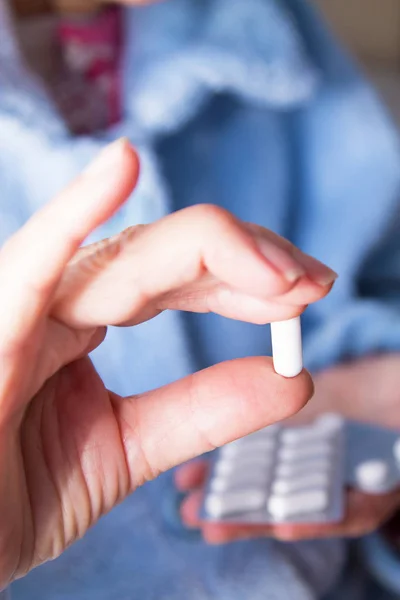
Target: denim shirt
x,y
248,104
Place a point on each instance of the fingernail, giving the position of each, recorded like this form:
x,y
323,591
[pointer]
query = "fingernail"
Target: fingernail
x,y
107,159
281,260
315,269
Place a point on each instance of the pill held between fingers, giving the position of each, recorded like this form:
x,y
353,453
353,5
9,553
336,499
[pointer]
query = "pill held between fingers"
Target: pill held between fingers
x,y
306,481
220,505
372,476
283,507
287,351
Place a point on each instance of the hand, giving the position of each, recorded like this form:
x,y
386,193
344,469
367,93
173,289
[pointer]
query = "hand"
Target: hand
x,y
69,448
372,383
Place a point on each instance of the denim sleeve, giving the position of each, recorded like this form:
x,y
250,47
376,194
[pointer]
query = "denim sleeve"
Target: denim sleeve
x,y
362,314
350,199
347,175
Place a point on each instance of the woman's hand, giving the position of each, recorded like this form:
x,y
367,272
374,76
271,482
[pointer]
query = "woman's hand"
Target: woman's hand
x,y
365,390
69,448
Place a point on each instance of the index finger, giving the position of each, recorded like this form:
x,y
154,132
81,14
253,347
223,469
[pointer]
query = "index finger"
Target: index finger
x,y
33,260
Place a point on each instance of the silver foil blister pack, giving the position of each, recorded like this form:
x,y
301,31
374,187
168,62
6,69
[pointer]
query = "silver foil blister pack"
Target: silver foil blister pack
x,y
285,474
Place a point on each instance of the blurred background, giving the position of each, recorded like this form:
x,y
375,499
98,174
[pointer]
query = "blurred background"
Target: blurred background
x,y
370,29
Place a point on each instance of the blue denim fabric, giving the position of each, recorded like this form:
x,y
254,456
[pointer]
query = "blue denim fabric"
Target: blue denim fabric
x,y
248,104
382,562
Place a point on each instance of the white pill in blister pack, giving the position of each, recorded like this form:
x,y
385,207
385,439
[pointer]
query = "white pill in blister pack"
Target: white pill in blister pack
x,y
218,505
262,445
299,474
290,453
300,482
264,436
270,430
240,478
314,464
307,502
372,476
243,462
300,435
295,469
220,484
330,423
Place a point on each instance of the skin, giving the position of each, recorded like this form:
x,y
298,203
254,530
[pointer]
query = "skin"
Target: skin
x,y
69,448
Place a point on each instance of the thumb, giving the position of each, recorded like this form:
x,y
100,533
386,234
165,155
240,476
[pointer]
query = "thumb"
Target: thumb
x,y
168,426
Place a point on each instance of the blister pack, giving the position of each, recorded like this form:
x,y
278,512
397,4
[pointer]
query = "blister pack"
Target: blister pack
x,y
280,474
285,474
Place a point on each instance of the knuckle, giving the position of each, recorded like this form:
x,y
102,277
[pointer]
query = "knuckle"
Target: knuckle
x,y
96,257
209,217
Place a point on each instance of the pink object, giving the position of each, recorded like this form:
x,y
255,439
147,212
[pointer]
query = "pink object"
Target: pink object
x,y
89,92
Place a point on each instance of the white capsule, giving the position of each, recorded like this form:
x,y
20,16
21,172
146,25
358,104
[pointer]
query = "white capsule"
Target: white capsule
x,y
320,464
302,435
242,464
257,436
283,507
296,454
258,446
264,432
224,467
230,452
220,484
330,423
372,476
220,505
300,482
251,479
287,347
